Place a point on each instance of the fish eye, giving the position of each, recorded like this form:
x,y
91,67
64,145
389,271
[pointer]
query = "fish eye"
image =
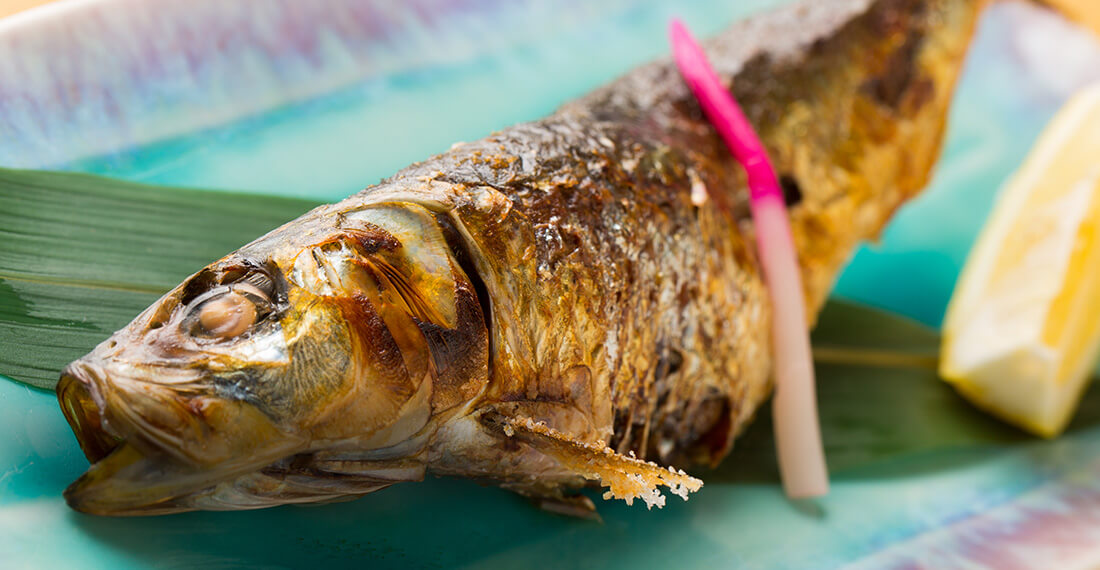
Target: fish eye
x,y
226,315
228,311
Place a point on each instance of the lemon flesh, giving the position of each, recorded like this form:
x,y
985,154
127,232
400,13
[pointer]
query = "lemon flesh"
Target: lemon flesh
x,y
1023,328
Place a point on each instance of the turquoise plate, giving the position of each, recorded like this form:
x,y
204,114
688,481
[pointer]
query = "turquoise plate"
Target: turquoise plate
x,y
319,99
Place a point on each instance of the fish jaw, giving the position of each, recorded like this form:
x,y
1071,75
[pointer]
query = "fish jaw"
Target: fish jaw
x,y
133,472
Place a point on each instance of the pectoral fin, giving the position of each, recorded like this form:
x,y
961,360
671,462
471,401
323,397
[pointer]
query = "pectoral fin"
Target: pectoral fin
x,y
626,478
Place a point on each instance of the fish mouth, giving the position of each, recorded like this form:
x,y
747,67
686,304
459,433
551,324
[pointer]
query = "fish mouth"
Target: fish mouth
x,y
136,472
128,475
107,451
81,410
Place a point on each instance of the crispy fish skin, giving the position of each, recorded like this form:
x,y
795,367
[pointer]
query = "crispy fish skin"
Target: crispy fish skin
x,y
609,279
546,306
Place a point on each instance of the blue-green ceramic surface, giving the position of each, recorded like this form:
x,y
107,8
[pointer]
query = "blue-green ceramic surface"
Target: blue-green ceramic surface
x,y
321,99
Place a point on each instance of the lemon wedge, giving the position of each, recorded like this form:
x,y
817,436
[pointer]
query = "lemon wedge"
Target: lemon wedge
x,y
1023,327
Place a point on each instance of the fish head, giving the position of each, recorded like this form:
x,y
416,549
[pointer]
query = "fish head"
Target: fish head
x,y
307,366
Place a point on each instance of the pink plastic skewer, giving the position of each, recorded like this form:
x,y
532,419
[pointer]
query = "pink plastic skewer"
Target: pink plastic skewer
x,y
797,432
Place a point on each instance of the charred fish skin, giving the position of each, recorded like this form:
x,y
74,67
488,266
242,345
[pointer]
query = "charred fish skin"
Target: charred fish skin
x,y
542,308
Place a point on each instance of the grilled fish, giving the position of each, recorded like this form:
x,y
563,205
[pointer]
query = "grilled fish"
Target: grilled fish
x,y
570,301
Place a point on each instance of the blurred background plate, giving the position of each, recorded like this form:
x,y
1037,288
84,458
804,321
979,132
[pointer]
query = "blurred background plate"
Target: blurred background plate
x,y
319,99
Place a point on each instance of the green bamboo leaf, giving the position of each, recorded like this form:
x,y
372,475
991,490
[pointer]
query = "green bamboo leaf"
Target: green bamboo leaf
x,y
81,255
880,397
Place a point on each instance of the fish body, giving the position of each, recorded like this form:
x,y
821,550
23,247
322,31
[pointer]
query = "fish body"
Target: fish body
x,y
565,301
